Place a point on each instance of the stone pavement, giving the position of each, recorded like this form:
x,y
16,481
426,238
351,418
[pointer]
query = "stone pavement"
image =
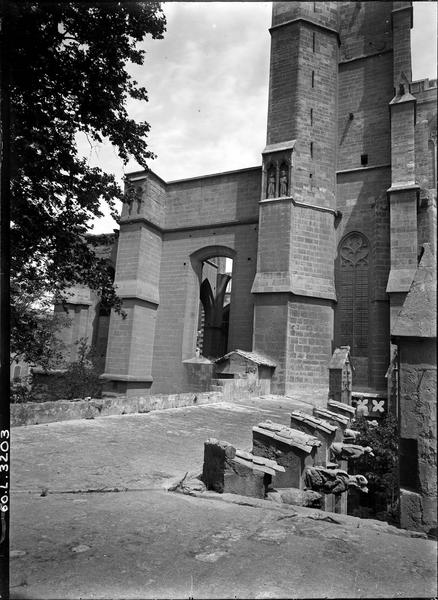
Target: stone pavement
x,y
83,539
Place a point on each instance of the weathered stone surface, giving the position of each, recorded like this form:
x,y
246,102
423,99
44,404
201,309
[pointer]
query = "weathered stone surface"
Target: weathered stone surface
x,y
417,317
223,472
243,480
296,497
410,510
288,435
215,455
292,458
324,431
81,548
341,450
34,413
418,460
341,407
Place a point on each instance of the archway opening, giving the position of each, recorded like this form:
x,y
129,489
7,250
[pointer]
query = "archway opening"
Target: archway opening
x,y
101,327
214,306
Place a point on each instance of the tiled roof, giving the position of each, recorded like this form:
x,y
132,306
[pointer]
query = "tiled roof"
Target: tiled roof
x,y
321,424
342,406
279,146
255,357
257,463
328,414
287,435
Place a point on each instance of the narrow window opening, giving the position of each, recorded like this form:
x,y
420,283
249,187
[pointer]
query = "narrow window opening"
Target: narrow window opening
x,y
311,149
313,78
409,464
311,116
314,7
313,42
214,313
364,159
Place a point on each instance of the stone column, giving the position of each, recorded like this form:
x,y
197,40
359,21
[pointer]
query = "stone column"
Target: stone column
x,y
403,193
414,332
128,368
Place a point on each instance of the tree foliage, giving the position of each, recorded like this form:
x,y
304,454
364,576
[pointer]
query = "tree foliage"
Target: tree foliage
x,y
35,336
381,470
68,75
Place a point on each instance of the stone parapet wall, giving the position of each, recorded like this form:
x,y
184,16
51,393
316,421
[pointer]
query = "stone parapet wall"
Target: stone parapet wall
x,y
36,413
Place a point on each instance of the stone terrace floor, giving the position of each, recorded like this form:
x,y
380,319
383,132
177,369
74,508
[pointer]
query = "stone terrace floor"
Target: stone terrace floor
x,y
84,539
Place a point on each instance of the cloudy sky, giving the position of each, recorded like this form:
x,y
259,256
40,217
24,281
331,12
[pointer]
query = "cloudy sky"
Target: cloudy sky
x,y
207,82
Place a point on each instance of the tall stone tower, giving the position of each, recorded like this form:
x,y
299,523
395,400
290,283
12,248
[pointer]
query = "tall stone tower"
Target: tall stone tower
x,y
294,286
339,220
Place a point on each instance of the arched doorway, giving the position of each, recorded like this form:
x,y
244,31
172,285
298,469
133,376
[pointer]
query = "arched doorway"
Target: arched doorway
x,y
209,293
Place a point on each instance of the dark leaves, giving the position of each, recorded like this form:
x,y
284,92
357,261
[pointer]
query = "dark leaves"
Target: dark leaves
x,y
68,75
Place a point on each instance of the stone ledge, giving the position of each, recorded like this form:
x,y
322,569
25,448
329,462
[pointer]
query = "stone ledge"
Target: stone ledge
x,y
124,377
271,282
36,413
311,513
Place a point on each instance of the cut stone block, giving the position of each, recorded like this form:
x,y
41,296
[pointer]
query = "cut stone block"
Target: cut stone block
x,y
290,436
296,497
340,375
242,479
341,408
342,422
322,430
216,454
227,470
336,503
293,453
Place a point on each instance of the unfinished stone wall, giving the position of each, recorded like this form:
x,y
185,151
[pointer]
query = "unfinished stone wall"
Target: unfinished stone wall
x,y
418,435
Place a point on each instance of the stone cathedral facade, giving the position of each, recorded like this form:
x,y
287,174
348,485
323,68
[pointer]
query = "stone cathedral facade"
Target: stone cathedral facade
x,y
330,242
324,238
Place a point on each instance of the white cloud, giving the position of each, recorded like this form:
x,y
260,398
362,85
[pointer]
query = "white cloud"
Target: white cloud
x,y
424,41
207,82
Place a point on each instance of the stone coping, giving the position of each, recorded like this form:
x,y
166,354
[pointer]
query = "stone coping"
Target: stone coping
x,y
328,414
257,463
36,413
325,426
341,406
287,435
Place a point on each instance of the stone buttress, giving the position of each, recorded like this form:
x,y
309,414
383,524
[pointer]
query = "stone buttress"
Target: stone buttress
x,y
128,366
294,285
